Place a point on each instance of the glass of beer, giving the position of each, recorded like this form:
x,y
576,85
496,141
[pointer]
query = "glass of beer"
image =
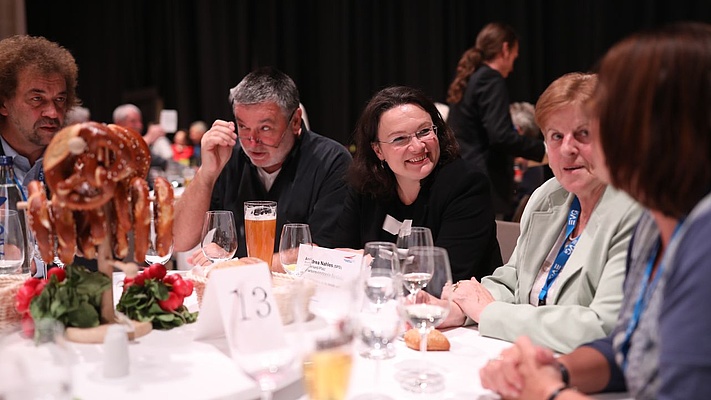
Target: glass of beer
x,y
260,229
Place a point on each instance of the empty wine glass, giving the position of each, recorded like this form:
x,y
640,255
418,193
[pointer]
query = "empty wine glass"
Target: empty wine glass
x,y
12,243
411,236
219,236
153,255
292,237
424,314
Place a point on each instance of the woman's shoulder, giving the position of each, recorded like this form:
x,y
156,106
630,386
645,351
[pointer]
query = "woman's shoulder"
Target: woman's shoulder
x,y
458,171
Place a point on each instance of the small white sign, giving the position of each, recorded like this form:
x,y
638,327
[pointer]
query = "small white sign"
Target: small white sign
x,y
331,267
169,120
239,305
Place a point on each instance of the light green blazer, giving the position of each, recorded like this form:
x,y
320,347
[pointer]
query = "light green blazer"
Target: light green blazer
x,y
589,294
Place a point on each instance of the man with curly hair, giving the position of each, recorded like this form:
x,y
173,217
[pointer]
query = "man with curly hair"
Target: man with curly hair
x,y
38,80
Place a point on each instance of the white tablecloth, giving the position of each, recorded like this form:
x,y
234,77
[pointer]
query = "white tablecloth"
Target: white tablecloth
x,y
170,364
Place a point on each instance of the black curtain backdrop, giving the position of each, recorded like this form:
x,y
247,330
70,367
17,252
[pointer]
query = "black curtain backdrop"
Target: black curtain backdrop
x,y
339,52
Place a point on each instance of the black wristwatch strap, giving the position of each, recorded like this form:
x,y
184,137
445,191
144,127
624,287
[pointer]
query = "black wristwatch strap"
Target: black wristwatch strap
x,y
557,392
564,374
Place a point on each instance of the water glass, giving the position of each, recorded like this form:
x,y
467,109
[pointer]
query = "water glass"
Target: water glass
x,y
293,236
424,315
219,236
153,256
12,242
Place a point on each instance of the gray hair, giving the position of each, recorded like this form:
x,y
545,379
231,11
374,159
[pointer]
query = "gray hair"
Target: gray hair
x,y
523,116
122,111
267,84
77,114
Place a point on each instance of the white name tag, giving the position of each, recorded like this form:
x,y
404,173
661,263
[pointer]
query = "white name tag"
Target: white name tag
x,y
332,267
239,305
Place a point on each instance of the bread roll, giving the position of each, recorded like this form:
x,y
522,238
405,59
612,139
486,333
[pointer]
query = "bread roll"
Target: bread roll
x,y
436,341
235,262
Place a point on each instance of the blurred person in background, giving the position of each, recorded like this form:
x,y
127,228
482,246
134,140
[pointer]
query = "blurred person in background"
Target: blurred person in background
x,y
479,113
196,132
182,148
526,179
130,116
78,114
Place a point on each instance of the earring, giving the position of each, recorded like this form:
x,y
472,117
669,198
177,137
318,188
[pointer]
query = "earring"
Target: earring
x,y
382,164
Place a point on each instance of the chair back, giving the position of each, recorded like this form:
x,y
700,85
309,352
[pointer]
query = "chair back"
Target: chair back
x,y
507,234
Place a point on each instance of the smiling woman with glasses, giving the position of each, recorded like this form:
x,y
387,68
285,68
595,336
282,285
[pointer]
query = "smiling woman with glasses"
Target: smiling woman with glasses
x,y
407,168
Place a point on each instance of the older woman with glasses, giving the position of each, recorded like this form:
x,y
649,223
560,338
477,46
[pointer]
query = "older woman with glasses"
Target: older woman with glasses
x,y
407,167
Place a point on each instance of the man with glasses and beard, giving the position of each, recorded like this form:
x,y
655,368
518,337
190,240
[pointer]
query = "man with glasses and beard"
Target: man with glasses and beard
x,y
266,154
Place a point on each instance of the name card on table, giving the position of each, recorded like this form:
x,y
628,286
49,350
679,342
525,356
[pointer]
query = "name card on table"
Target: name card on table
x,y
331,267
238,304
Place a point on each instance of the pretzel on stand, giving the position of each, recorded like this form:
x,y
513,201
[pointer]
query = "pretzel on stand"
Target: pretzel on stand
x,y
96,175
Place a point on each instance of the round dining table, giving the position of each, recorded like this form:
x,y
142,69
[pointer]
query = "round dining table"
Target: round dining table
x,y
171,364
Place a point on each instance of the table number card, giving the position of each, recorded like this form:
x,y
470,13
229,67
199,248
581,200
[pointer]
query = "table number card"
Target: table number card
x,y
239,305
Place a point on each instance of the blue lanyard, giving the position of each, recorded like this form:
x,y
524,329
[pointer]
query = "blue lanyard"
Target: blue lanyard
x,y
641,304
566,249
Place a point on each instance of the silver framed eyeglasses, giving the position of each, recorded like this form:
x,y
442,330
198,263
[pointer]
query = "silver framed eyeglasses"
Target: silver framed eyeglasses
x,y
404,140
267,138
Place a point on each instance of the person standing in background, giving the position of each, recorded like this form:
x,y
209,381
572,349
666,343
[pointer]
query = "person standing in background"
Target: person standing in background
x,y
479,113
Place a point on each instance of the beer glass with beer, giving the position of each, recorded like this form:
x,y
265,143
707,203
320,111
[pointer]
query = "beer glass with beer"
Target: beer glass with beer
x,y
260,229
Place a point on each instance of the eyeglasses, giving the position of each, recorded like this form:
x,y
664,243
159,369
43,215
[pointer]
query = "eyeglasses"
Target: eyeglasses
x,y
267,138
404,140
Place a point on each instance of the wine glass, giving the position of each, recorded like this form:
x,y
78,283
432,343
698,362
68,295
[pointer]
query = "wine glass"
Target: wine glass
x,y
292,237
410,236
153,256
328,341
379,321
12,243
424,314
219,236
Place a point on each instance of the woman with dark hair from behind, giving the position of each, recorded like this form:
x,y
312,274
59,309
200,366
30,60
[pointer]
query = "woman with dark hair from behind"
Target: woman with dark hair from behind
x,y
654,142
407,167
479,113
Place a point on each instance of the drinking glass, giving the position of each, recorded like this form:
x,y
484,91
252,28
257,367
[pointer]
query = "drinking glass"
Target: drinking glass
x,y
379,320
410,236
153,256
12,243
219,236
260,229
39,369
328,341
292,237
424,315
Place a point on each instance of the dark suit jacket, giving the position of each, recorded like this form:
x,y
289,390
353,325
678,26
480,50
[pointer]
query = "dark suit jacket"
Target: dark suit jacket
x,y
486,135
453,202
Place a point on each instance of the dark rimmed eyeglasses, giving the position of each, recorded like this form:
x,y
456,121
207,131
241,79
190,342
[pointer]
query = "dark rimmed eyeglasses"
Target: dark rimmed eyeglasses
x,y
267,138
